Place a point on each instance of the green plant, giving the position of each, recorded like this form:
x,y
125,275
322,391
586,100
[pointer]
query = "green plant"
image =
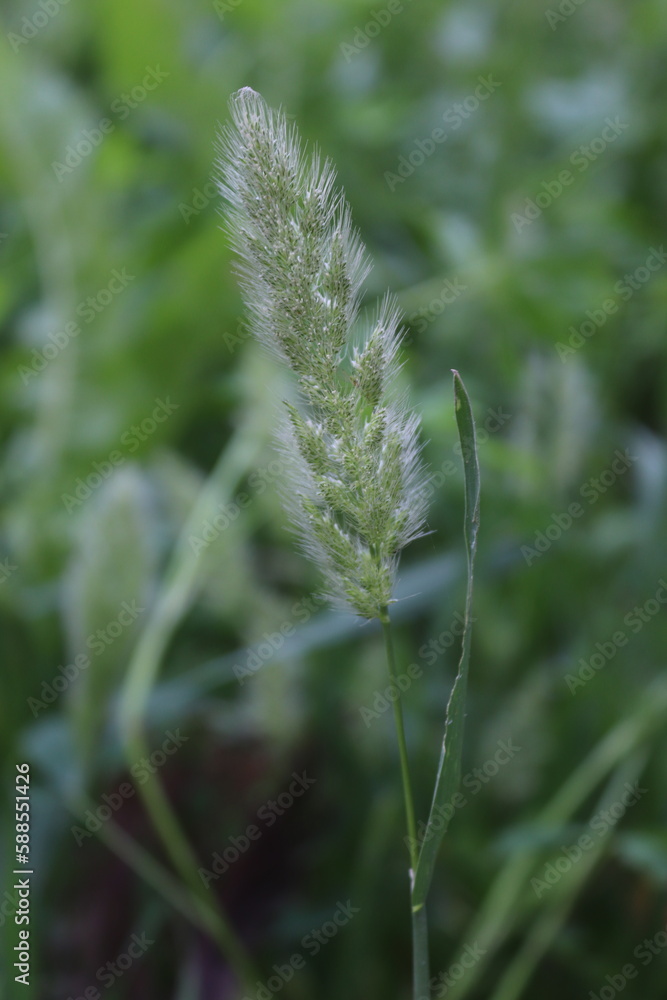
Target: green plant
x,y
357,488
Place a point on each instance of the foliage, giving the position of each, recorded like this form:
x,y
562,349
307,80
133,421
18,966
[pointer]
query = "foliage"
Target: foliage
x,y
522,232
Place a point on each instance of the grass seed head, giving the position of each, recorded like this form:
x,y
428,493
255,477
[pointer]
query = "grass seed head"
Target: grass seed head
x,y
357,487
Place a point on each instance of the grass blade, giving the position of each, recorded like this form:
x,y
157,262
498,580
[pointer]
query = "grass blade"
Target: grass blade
x,y
449,769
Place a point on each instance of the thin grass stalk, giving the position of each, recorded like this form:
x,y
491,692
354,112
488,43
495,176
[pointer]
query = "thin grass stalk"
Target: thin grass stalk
x,y
500,912
171,604
420,961
356,489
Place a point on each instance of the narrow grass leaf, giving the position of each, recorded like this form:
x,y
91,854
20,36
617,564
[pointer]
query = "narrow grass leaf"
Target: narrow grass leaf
x,y
449,768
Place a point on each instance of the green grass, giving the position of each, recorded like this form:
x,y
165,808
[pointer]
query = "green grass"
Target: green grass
x,y
547,429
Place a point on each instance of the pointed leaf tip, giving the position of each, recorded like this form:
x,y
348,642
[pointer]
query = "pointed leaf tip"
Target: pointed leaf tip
x,y
449,768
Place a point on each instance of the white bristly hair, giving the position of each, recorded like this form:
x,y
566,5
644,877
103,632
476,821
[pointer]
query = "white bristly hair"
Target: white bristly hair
x,y
356,490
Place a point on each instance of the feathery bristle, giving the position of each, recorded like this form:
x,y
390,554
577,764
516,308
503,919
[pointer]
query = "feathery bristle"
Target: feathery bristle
x,y
357,487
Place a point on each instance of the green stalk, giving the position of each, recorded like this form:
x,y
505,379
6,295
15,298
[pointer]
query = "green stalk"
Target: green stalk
x,y
209,912
142,863
543,929
420,966
172,602
420,977
422,861
505,905
402,746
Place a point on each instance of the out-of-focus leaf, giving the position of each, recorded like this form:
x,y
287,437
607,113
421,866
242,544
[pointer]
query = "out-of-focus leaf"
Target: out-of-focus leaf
x,y
107,592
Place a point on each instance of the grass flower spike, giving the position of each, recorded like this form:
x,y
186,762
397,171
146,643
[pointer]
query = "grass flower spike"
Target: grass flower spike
x,y
357,488
356,491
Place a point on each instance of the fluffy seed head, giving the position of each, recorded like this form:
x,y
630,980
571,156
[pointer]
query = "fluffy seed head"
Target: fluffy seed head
x,y
357,488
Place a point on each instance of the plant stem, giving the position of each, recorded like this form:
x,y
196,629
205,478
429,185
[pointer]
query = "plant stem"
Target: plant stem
x,y
420,975
126,848
402,747
420,964
170,605
211,916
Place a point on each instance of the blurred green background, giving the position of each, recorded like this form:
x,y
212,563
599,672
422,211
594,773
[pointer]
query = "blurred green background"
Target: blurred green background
x,y
141,528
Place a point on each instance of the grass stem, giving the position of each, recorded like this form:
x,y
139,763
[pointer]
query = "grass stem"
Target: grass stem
x,y
210,914
419,923
170,606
